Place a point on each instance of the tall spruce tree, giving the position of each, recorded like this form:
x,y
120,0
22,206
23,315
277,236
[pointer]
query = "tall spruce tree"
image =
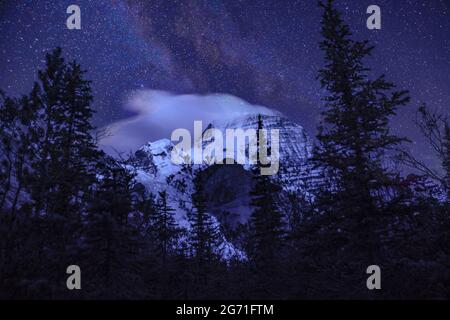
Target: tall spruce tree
x,y
267,225
205,233
79,153
353,139
164,242
112,247
66,149
266,219
64,158
163,227
204,238
51,94
145,206
354,135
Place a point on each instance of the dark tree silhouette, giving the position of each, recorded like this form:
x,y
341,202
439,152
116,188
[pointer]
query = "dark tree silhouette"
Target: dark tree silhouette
x,y
112,248
355,133
436,130
267,226
204,240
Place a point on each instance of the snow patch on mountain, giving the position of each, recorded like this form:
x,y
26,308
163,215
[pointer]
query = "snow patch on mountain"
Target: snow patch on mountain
x,y
155,170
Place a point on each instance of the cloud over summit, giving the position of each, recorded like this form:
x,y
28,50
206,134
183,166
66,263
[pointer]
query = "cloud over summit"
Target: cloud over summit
x,y
161,112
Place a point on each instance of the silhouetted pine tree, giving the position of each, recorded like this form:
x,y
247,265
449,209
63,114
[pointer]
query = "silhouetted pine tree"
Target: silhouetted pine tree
x,y
205,232
164,234
163,226
9,115
64,156
355,134
353,139
79,153
66,152
204,242
51,94
112,247
446,160
298,206
267,227
23,237
145,206
435,128
8,132
17,121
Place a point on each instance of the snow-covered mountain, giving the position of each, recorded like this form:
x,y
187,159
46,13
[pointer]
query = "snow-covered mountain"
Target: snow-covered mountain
x,y
294,149
227,186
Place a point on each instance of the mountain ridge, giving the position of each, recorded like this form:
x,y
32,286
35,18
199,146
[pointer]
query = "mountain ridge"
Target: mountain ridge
x,y
156,172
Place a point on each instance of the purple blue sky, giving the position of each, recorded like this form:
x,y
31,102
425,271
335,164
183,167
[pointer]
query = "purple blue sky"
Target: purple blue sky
x,y
264,52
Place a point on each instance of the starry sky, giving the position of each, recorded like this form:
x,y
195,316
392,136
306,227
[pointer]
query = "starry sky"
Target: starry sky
x,y
264,52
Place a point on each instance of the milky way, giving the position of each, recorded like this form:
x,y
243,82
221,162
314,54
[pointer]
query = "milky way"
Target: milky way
x,y
265,52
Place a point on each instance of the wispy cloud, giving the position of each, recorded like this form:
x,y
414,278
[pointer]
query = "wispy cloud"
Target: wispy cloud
x,y
161,112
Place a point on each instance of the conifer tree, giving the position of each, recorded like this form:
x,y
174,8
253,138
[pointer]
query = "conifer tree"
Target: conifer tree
x,y
49,112
17,120
59,154
267,223
23,150
204,232
145,205
112,247
204,238
79,153
64,168
266,219
164,235
435,128
446,159
8,120
354,135
163,227
18,247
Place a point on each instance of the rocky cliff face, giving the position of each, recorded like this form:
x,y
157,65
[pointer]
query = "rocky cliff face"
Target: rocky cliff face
x,y
227,186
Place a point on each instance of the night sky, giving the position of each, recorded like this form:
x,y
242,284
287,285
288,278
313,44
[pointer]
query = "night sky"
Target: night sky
x,y
265,52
